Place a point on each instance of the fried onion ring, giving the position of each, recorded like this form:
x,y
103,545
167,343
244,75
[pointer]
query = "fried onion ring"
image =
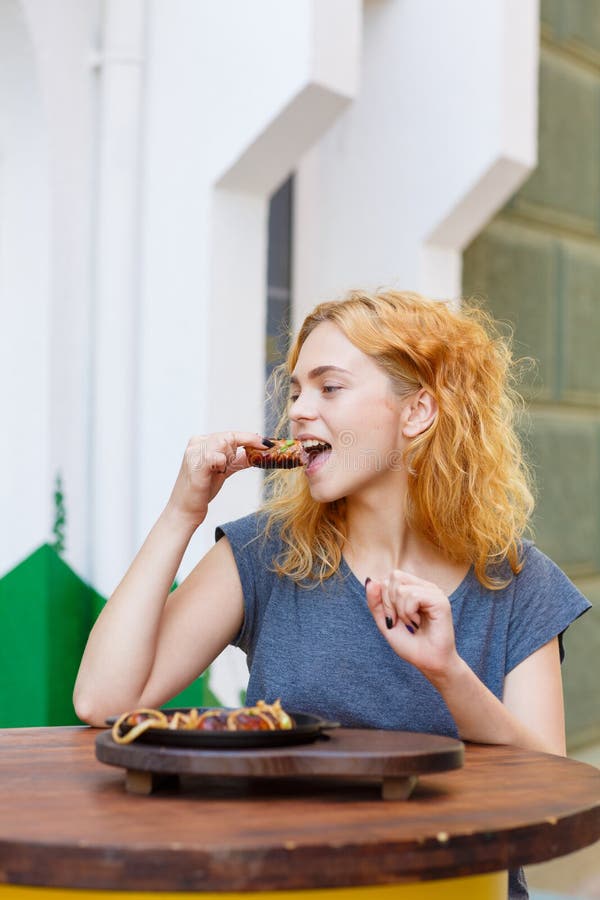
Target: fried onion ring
x,y
270,717
156,719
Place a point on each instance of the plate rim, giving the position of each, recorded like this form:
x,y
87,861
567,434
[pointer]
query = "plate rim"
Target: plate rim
x,y
192,737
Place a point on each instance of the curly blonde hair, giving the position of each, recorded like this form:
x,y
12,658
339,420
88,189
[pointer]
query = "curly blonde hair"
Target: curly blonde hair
x,y
469,490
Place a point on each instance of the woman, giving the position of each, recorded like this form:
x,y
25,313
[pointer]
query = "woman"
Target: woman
x,y
387,582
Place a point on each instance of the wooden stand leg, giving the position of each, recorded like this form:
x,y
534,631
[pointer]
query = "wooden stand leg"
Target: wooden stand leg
x,y
398,788
138,782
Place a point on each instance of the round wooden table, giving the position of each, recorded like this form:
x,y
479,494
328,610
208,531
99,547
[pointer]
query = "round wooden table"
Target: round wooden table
x,y
67,822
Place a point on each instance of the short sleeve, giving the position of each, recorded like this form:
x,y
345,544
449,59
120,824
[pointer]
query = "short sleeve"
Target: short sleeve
x,y
545,603
246,538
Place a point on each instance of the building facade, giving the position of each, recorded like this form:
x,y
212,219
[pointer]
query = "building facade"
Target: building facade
x,y
146,148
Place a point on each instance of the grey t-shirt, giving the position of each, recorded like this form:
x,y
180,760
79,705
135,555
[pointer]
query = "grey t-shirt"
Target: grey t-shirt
x,y
319,650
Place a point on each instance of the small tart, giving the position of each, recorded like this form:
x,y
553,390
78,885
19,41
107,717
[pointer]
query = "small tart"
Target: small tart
x,y
284,454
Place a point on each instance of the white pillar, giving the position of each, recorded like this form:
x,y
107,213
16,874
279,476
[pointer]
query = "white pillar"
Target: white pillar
x,y
25,477
119,64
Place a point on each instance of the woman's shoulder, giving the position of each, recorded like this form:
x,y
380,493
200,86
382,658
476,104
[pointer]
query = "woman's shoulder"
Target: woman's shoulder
x,y
537,568
249,533
544,603
540,577
248,526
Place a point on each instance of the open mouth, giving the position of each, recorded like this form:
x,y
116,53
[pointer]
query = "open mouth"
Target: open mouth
x,y
316,452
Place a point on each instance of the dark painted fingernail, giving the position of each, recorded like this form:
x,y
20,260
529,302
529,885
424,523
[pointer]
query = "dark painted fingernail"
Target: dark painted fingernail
x,y
410,628
268,443
367,580
414,625
389,622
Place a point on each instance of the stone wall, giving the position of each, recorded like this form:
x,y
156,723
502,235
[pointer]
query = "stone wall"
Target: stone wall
x,y
538,266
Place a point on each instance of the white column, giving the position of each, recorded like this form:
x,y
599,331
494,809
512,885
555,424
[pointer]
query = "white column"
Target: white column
x,y
116,299
25,478
61,34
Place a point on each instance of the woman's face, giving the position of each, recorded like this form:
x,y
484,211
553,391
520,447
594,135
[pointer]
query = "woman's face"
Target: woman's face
x,y
340,397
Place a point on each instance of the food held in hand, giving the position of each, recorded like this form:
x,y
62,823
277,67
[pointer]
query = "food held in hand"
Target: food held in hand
x,y
262,717
282,454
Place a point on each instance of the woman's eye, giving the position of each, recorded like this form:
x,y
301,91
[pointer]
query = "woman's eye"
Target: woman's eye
x,y
293,398
330,388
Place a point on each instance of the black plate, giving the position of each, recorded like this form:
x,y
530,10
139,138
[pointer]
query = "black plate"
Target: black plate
x,y
307,728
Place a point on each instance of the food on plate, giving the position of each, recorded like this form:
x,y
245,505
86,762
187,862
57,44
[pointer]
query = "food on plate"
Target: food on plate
x,y
262,717
282,454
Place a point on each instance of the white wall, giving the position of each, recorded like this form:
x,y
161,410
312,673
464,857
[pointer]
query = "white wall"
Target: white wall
x,y
25,320
119,73
45,214
442,132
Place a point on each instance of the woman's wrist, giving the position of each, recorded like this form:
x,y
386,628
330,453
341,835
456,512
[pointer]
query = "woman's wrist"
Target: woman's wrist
x,y
181,520
446,676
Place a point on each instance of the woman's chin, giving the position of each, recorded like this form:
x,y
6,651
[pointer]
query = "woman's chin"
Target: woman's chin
x,y
323,492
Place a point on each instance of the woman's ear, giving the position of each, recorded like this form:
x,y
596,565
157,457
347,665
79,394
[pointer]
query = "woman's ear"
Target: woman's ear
x,y
419,413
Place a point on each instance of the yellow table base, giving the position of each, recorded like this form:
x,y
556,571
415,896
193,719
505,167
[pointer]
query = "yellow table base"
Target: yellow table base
x,y
475,887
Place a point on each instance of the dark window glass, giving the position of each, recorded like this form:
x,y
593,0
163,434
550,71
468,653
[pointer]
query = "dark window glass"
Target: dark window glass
x,y
279,282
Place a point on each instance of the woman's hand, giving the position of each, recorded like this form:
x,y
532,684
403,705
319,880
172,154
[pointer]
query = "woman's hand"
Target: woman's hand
x,y
415,618
532,713
208,460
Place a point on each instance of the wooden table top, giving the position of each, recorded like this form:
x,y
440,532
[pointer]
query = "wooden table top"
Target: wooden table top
x,y
66,820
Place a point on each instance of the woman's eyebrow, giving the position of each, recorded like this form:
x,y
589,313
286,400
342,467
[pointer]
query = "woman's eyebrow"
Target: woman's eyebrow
x,y
320,370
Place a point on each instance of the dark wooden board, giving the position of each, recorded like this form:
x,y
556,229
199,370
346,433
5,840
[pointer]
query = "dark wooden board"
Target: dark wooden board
x,y
66,821
393,758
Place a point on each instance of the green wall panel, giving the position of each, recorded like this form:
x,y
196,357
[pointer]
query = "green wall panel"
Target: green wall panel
x,y
580,671
581,24
566,455
515,270
580,298
551,12
538,263
46,613
23,625
568,174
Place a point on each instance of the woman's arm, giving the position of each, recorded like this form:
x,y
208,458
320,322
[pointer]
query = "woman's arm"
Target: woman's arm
x,y
533,692
531,714
148,644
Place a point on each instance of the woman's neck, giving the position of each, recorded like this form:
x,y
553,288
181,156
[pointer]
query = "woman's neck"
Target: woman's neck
x,y
379,540
377,530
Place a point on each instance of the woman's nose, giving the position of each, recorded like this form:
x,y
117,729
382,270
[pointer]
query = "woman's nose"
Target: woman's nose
x,y
302,409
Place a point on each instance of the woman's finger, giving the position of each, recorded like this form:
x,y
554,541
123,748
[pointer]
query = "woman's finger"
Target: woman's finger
x,y
411,606
388,604
217,462
414,601
232,444
251,438
240,461
373,591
